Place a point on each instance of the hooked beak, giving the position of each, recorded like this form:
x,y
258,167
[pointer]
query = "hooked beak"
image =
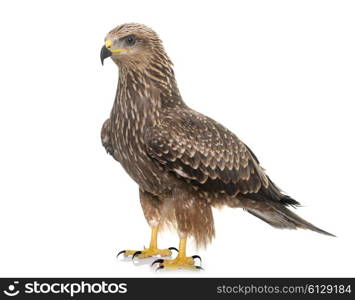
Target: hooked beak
x,y
105,53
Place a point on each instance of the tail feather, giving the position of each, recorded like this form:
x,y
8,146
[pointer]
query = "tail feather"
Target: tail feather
x,y
278,215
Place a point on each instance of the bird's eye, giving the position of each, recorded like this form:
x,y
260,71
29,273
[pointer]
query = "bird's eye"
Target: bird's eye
x,y
130,39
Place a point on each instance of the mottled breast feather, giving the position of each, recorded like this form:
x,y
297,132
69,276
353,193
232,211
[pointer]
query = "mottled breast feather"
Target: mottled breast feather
x,y
201,150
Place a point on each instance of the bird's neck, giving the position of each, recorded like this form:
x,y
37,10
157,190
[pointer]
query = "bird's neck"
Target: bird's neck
x,y
153,83
143,92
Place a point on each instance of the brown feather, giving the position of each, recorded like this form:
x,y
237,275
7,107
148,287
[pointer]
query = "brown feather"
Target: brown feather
x,y
183,162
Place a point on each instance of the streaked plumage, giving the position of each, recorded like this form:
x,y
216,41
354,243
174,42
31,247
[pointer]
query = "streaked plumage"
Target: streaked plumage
x,y
183,162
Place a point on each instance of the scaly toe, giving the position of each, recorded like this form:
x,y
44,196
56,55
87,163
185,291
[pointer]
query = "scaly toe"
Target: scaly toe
x,y
126,253
178,263
148,252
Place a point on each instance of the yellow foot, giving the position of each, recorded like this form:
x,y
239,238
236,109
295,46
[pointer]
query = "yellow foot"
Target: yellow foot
x,y
147,252
183,262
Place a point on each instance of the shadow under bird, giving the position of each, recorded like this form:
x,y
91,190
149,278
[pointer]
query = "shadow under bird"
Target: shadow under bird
x,y
184,163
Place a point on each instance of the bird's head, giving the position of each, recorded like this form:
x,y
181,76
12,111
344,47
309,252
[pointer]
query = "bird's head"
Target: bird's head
x,y
131,43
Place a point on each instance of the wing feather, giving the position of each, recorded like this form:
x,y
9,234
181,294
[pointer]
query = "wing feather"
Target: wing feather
x,y
201,150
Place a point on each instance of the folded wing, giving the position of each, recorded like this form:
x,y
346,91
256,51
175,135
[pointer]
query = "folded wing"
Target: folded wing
x,y
201,150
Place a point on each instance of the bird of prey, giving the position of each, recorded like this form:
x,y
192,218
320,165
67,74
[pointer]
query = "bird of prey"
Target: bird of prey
x,y
184,163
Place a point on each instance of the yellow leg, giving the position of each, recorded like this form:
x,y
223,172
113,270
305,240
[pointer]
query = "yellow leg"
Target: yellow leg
x,y
153,249
181,261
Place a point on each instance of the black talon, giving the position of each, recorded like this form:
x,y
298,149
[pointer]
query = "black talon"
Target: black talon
x,y
135,254
119,253
157,261
159,268
197,256
198,268
173,248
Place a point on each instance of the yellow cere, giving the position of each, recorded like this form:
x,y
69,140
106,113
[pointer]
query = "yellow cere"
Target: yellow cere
x,y
108,45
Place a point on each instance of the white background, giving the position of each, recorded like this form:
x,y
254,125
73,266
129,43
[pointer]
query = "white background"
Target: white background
x,y
280,74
